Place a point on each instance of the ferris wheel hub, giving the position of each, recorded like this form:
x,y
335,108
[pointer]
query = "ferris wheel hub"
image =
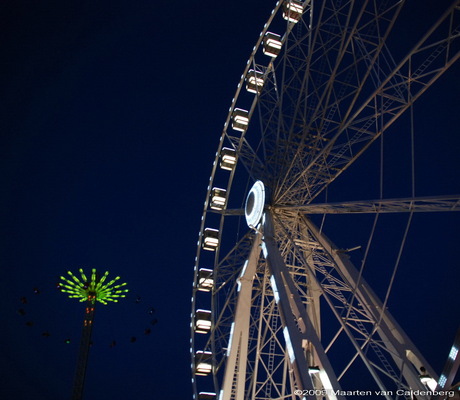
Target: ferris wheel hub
x,y
255,203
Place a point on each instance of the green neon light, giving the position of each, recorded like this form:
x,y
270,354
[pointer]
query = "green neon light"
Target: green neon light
x,y
84,288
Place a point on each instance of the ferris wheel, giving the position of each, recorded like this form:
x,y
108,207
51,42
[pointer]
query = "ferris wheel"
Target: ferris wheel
x,y
279,311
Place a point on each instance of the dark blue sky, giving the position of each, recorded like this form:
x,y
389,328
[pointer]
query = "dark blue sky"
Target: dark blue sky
x,y
110,114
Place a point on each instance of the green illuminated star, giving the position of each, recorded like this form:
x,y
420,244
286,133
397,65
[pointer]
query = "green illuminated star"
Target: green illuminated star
x,y
86,289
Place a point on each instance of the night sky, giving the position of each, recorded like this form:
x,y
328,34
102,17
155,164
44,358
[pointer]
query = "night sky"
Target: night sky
x,y
110,116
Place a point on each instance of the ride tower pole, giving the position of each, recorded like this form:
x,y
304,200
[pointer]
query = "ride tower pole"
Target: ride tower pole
x,y
90,290
85,344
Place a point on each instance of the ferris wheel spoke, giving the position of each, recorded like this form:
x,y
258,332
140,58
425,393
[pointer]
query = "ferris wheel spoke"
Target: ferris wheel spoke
x,y
351,136
418,204
234,380
329,90
376,337
225,298
334,291
248,157
393,339
291,304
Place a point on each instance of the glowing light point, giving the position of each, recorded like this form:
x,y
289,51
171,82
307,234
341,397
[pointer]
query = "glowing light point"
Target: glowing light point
x,y
453,353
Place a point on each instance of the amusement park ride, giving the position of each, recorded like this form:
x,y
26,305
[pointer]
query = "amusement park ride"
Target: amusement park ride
x,y
91,291
278,310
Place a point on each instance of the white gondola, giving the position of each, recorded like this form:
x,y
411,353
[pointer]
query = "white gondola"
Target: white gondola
x,y
240,119
227,158
218,198
254,81
203,364
205,280
292,10
272,44
210,239
202,321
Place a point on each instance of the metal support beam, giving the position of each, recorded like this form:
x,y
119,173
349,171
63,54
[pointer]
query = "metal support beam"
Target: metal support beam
x,y
298,328
406,356
235,369
417,204
446,380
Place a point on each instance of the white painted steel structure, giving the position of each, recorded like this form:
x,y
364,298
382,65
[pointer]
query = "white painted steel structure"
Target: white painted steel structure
x,y
291,315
